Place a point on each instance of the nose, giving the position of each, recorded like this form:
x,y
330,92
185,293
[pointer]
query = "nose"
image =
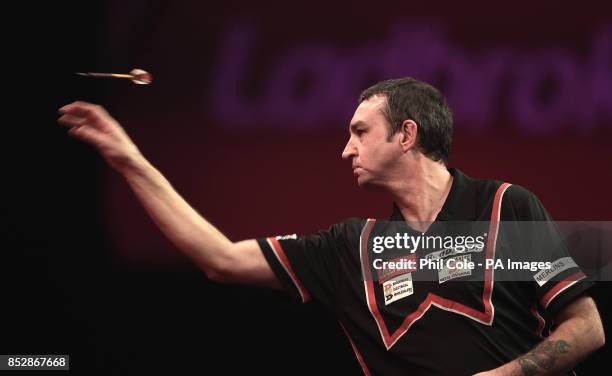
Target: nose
x,y
349,150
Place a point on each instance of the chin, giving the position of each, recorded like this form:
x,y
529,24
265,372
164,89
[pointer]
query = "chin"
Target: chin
x,y
368,185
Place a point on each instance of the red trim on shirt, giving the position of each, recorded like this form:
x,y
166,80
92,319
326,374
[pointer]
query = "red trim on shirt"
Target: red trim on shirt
x,y
485,317
364,367
560,287
282,257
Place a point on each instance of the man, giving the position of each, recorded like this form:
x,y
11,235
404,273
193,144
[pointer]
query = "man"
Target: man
x,y
397,321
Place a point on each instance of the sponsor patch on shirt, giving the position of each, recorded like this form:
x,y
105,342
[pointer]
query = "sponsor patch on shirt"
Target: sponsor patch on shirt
x,y
286,237
446,273
401,265
556,267
451,252
398,288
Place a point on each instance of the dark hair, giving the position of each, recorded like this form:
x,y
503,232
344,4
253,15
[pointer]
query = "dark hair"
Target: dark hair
x,y
408,98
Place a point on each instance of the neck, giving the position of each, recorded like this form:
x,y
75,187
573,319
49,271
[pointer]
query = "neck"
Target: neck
x,y
421,196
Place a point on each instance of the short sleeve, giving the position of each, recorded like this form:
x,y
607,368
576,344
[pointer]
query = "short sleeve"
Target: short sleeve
x,y
563,281
308,267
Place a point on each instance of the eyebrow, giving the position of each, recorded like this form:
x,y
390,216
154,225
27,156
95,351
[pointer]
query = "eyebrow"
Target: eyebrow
x,y
357,124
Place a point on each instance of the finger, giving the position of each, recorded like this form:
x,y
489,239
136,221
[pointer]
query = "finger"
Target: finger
x,y
83,109
70,121
85,133
74,105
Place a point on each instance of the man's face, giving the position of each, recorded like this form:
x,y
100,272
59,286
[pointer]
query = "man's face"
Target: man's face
x,y
374,156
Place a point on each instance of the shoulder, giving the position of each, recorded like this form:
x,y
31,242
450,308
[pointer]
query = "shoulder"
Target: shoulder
x,y
520,204
345,234
517,202
488,187
349,228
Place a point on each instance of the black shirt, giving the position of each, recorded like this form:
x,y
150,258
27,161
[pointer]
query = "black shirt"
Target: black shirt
x,y
440,321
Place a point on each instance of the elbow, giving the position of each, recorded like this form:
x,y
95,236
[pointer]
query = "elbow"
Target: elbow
x,y
217,275
584,322
601,338
596,336
219,271
213,275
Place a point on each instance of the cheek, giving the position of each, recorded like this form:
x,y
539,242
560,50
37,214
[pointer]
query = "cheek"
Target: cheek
x,y
385,157
370,156
377,154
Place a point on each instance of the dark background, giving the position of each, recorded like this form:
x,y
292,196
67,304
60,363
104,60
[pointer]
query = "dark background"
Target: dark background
x,y
86,273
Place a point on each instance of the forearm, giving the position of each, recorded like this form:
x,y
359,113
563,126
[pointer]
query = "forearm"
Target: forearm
x,y
191,233
556,355
578,334
179,222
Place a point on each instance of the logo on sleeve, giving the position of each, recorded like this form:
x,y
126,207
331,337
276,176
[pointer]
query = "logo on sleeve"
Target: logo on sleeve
x,y
556,267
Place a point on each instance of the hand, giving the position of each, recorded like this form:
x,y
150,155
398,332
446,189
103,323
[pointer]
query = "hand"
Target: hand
x,y
92,124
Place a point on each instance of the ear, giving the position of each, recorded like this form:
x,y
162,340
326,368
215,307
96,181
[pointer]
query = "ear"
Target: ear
x,y
408,135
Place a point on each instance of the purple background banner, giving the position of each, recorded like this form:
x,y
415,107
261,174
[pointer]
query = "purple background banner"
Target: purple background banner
x,y
250,107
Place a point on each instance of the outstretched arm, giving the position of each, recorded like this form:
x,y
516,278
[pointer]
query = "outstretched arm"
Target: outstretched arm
x,y
221,259
579,332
